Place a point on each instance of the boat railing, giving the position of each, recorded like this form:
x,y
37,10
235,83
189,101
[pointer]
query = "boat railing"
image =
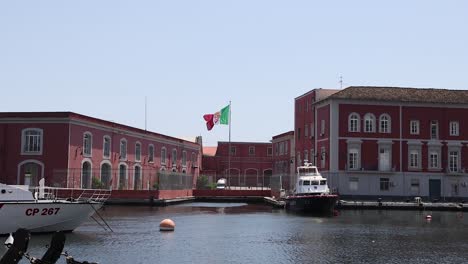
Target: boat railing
x,y
82,195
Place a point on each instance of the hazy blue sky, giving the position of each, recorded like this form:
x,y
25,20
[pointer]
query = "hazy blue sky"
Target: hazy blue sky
x,y
101,58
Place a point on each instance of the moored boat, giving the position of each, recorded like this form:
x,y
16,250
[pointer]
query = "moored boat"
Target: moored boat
x,y
45,209
311,193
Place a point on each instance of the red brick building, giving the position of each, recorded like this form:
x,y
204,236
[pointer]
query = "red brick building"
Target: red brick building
x,y
283,158
69,150
248,165
387,141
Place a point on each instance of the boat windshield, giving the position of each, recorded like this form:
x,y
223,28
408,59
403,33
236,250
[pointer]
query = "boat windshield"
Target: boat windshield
x,y
323,182
306,182
315,182
307,171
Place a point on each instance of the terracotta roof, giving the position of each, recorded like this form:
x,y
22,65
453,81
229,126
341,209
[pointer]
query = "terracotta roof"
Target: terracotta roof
x,y
403,94
209,151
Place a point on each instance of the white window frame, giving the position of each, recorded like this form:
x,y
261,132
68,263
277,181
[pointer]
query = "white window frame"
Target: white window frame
x,y
353,159
270,151
123,149
151,153
434,125
453,160
434,159
87,144
251,151
414,127
454,128
385,123
312,134
184,158
106,147
37,141
414,160
174,157
137,151
163,156
369,123
353,122
322,127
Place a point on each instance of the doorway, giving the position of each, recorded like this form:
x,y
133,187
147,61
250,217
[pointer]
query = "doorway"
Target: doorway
x,y
434,189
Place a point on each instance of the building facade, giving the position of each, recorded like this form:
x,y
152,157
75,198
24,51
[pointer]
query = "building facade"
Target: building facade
x,y
77,151
390,142
283,159
248,165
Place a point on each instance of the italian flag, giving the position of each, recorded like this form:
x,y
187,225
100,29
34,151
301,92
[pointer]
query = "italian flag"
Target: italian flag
x,y
220,117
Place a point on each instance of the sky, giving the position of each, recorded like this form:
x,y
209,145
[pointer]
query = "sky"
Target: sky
x,y
190,58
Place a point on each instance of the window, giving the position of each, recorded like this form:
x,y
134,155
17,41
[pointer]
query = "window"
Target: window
x,y
385,124
454,188
194,160
414,127
138,151
137,182
454,128
414,159
174,157
150,153
415,186
434,129
32,141
353,184
306,155
163,156
385,157
298,133
306,130
453,161
353,159
299,161
369,123
276,148
322,157
285,147
281,148
433,160
270,151
353,123
106,147
322,127
312,134
312,157
384,184
123,149
184,158
233,150
122,177
251,151
87,144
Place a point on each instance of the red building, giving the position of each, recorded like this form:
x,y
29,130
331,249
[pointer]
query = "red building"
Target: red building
x,y
73,150
388,141
283,159
248,165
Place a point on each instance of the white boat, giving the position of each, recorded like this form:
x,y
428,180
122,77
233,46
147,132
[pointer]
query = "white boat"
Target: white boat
x,y
42,210
311,194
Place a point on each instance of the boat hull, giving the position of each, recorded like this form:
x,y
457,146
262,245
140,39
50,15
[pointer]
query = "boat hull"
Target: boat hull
x,y
40,217
312,203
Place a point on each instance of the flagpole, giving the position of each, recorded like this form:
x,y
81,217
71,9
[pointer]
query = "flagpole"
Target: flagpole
x,y
229,151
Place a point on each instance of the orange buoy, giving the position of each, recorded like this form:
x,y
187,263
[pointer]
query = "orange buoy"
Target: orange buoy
x,y
167,225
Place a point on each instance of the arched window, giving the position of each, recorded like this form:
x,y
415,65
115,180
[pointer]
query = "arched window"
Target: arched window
x,y
150,153
385,123
184,158
174,157
369,123
106,175
122,177
106,147
87,144
137,179
123,149
163,156
138,151
86,175
353,123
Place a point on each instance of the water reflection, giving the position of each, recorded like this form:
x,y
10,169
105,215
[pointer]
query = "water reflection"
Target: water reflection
x,y
241,233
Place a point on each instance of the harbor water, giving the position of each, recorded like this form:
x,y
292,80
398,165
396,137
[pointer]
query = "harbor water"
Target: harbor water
x,y
256,233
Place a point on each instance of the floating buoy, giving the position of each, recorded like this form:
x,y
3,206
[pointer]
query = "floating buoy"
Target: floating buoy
x,y
428,217
167,225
